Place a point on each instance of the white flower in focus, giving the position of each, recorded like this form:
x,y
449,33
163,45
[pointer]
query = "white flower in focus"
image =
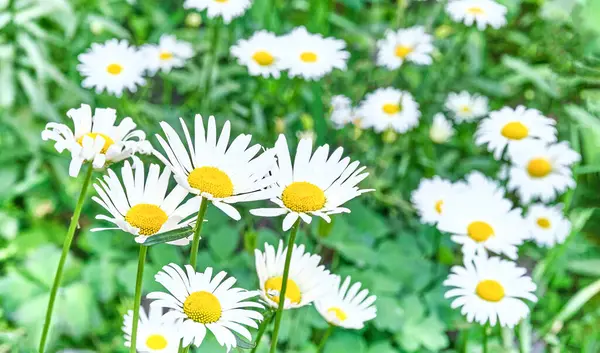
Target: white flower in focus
x,y
228,9
481,12
428,199
114,66
155,332
96,138
342,112
466,107
389,108
410,44
168,54
547,224
261,54
441,130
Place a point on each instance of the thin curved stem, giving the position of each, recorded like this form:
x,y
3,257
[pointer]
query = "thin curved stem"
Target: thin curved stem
x,y
196,241
485,339
262,329
138,297
324,338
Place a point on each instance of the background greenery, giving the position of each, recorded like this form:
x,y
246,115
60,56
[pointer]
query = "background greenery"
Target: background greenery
x,y
545,58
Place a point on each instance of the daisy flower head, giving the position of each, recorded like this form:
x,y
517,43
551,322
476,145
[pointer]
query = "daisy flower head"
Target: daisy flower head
x,y
222,173
201,301
466,107
261,54
346,306
140,204
317,185
508,127
307,279
484,185
156,333
228,9
96,138
430,196
441,130
410,44
342,111
168,54
390,108
540,170
113,66
312,56
547,224
481,12
491,290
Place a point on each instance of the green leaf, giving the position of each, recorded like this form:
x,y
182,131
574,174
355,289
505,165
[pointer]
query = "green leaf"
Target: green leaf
x,y
587,267
223,242
242,343
389,314
345,341
169,236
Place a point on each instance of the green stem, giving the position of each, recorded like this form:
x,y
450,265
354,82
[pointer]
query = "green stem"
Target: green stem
x,y
324,338
196,241
286,272
485,339
138,297
214,48
63,256
261,329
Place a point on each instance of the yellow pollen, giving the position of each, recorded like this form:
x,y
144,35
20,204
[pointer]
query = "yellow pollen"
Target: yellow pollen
x,y
221,1
114,69
475,10
438,206
292,291
539,167
543,222
308,57
490,290
202,307
107,140
466,109
165,55
302,196
211,180
148,218
480,231
339,313
515,131
391,109
263,58
402,51
156,342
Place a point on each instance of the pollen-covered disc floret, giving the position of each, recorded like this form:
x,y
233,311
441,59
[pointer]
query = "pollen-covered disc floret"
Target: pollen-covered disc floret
x,y
408,44
140,204
262,54
168,54
156,333
547,224
429,198
200,302
389,108
466,107
96,138
482,13
491,290
227,9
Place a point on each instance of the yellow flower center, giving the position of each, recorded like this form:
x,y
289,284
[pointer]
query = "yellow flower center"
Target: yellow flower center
x,y
292,291
107,140
165,55
402,51
148,218
466,109
391,108
308,57
211,180
114,69
263,58
543,222
438,206
539,167
221,1
515,131
202,307
156,342
302,196
339,313
475,10
480,231
490,290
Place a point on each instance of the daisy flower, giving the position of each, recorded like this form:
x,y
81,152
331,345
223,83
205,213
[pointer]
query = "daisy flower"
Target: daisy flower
x,y
155,333
317,185
480,182
261,53
547,224
441,130
429,198
96,138
482,12
345,306
491,290
307,279
168,54
199,301
541,171
389,108
222,173
410,44
228,9
509,127
143,207
114,66
342,111
312,56
466,107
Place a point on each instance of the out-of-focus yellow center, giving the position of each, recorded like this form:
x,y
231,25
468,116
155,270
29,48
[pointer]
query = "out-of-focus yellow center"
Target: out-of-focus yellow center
x,y
339,313
156,342
107,140
302,196
402,51
391,108
465,109
165,55
148,218
438,206
490,290
515,130
539,167
543,222
263,58
292,291
114,69
475,10
212,181
202,307
480,231
222,1
308,57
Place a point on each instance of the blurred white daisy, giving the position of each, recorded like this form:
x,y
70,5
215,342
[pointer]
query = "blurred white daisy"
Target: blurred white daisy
x,y
410,44
142,207
476,180
96,138
261,54
228,9
155,332
346,306
547,224
317,185
114,66
168,54
221,172
466,107
342,112
428,199
483,13
441,129
541,171
312,56
199,301
389,108
508,127
491,290
307,279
